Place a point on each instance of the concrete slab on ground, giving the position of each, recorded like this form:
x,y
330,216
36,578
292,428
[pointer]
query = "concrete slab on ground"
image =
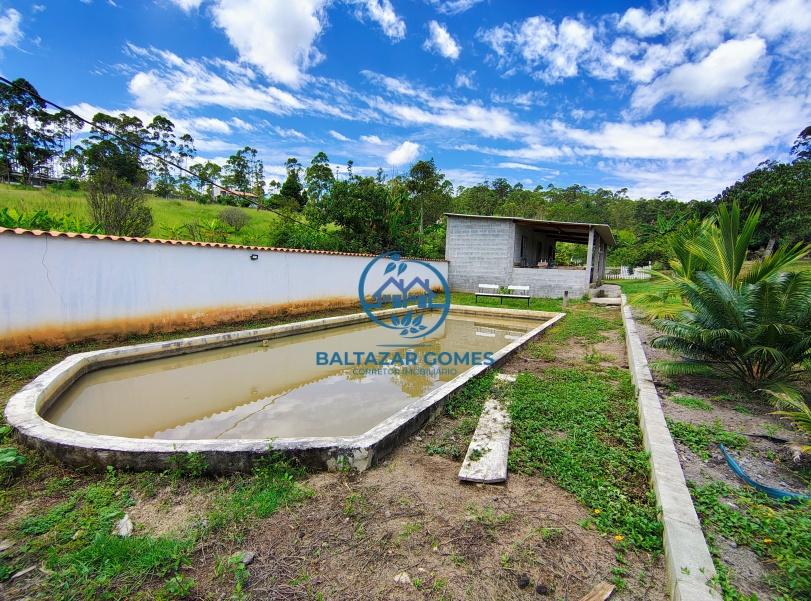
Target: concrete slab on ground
x,y
605,301
486,459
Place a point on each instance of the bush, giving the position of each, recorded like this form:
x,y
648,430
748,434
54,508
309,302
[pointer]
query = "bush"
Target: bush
x,y
69,185
43,220
117,206
750,322
10,461
234,218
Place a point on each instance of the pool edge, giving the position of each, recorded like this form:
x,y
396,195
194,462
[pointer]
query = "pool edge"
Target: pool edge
x,y
357,452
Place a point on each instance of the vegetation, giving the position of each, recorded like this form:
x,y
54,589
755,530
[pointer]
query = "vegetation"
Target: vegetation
x,y
691,402
579,428
117,206
750,321
67,210
700,438
779,532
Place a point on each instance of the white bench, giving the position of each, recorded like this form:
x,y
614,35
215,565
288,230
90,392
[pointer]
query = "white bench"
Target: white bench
x,y
491,290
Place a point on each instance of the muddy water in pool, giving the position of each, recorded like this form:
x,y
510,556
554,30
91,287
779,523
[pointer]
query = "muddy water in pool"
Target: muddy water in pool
x,y
278,388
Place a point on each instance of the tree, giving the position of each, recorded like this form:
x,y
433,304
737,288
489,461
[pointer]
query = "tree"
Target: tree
x,y
318,178
372,215
783,192
801,150
114,146
430,192
162,135
117,205
205,172
30,135
750,321
292,191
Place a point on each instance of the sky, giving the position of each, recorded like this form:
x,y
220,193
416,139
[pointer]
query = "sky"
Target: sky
x,y
683,96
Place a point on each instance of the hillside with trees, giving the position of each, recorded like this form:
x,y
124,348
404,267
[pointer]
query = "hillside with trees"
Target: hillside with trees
x,y
123,166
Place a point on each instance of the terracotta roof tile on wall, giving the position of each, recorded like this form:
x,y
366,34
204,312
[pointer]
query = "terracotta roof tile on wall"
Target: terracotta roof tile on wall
x,y
56,234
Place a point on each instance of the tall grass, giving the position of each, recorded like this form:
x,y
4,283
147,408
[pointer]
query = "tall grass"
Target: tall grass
x,y
170,215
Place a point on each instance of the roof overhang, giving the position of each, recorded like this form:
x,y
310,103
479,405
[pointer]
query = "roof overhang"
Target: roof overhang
x,y
561,231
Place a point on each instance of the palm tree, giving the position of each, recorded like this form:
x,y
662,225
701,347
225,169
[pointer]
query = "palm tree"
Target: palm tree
x,y
748,321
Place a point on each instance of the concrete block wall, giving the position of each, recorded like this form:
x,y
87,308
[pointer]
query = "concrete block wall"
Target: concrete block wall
x,y
551,283
483,251
479,251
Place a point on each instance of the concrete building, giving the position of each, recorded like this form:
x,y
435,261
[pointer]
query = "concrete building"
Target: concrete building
x,y
511,251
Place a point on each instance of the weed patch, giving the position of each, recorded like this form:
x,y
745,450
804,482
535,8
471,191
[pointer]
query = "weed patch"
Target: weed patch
x,y
700,438
776,531
579,428
691,402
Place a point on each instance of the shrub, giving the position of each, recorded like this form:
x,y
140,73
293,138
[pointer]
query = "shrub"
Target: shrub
x,y
234,218
43,220
746,322
10,461
117,206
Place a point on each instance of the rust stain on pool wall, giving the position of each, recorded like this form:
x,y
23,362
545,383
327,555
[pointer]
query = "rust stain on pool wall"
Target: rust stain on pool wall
x,y
53,335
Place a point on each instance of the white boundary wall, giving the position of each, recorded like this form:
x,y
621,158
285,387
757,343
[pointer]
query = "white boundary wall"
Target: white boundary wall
x,y
54,288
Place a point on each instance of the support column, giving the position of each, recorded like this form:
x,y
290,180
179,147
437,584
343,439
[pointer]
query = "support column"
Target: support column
x,y
589,257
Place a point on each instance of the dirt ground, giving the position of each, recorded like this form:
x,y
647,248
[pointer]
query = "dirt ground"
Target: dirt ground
x,y
767,457
411,515
454,541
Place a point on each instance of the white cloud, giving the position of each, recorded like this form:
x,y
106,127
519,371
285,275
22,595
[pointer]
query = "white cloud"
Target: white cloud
x,y
338,136
724,70
171,81
440,41
288,132
38,8
10,32
213,125
240,124
746,128
642,23
465,80
531,152
187,5
403,154
548,51
375,140
453,7
275,35
382,12
524,166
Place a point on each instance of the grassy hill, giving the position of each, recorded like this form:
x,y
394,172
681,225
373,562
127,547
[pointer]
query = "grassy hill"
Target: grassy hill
x,y
170,215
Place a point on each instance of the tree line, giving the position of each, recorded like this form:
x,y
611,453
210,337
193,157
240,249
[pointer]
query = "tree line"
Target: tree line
x,y
121,158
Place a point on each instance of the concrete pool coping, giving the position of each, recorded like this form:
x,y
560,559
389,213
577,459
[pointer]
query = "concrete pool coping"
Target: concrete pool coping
x,y
688,561
357,452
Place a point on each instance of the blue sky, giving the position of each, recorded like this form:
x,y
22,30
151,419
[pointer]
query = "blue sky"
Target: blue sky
x,y
684,96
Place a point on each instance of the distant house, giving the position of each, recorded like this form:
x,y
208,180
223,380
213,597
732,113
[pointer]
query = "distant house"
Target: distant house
x,y
510,251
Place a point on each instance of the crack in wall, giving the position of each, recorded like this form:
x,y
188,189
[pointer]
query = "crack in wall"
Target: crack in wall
x,y
48,273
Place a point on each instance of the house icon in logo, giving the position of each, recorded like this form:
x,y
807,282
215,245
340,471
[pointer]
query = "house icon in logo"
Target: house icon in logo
x,y
397,293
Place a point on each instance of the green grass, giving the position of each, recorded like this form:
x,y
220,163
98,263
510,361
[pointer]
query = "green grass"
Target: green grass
x,y
691,402
74,538
169,215
778,532
579,428
700,438
535,304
